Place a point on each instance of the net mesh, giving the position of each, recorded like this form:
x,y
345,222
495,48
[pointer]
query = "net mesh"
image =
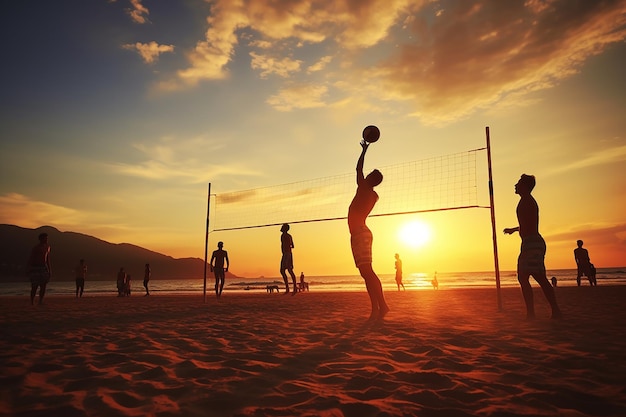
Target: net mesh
x,y
440,183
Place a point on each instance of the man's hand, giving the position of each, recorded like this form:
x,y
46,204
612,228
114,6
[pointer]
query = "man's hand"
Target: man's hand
x,y
511,230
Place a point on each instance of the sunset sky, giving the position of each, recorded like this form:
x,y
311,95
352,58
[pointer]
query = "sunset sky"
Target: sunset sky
x,y
115,116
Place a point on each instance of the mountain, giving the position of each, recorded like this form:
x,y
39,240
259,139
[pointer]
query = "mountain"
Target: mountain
x,y
103,259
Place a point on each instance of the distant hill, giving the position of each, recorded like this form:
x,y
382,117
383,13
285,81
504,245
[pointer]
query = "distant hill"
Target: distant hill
x,y
103,259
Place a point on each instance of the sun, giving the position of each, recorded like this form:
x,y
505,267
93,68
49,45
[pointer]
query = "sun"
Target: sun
x,y
415,234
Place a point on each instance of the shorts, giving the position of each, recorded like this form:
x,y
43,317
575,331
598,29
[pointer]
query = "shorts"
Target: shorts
x,y
287,261
532,255
361,242
585,270
39,275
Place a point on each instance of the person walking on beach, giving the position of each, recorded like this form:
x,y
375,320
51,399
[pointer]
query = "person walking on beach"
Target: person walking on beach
x,y
286,262
533,248
219,265
146,278
361,236
121,282
398,266
39,268
81,274
584,266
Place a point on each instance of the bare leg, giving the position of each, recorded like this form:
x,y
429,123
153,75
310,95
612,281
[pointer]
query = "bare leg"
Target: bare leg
x,y
375,292
548,291
33,292
42,292
221,285
293,279
527,292
282,272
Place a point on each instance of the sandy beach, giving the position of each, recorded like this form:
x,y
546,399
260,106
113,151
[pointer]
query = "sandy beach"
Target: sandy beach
x,y
440,353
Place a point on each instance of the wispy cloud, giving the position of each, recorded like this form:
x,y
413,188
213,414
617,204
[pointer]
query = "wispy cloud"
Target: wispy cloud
x,y
302,96
606,156
149,52
21,210
138,12
179,159
445,58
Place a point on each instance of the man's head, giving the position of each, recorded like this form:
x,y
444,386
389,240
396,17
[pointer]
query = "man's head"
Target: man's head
x,y
284,227
374,178
579,243
525,184
220,245
43,237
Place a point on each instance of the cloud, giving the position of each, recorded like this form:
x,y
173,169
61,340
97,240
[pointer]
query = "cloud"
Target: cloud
x,y
301,96
603,157
474,54
319,65
138,12
351,24
443,59
149,52
180,159
21,210
269,65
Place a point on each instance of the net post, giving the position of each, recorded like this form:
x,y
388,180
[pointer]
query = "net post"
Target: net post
x,y
206,240
493,221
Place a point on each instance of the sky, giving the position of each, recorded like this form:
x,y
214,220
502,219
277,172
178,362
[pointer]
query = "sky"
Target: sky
x,y
116,115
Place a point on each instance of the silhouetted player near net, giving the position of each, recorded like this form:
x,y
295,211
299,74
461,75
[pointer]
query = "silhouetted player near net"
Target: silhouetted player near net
x,y
361,236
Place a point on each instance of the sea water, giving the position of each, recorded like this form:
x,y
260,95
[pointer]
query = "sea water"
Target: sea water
x,y
412,282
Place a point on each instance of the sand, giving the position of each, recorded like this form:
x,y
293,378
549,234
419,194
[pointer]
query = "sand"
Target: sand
x,y
440,353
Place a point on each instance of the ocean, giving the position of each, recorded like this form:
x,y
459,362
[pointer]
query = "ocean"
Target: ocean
x,y
412,282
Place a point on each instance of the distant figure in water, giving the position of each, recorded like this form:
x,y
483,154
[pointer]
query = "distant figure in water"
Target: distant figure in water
x,y
121,282
286,262
361,236
398,266
127,286
434,282
303,284
81,274
219,265
584,265
39,268
553,279
147,272
533,249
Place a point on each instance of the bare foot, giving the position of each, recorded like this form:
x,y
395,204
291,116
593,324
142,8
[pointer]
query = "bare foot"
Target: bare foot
x,y
383,312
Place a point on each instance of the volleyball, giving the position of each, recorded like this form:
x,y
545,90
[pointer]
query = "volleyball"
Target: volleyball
x,y
371,134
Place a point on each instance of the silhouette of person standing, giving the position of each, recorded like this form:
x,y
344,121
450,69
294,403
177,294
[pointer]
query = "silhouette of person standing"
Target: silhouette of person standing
x,y
121,283
147,272
361,236
533,248
398,266
286,262
39,268
220,256
81,274
584,266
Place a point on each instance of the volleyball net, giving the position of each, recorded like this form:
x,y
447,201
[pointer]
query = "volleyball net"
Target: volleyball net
x,y
446,182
